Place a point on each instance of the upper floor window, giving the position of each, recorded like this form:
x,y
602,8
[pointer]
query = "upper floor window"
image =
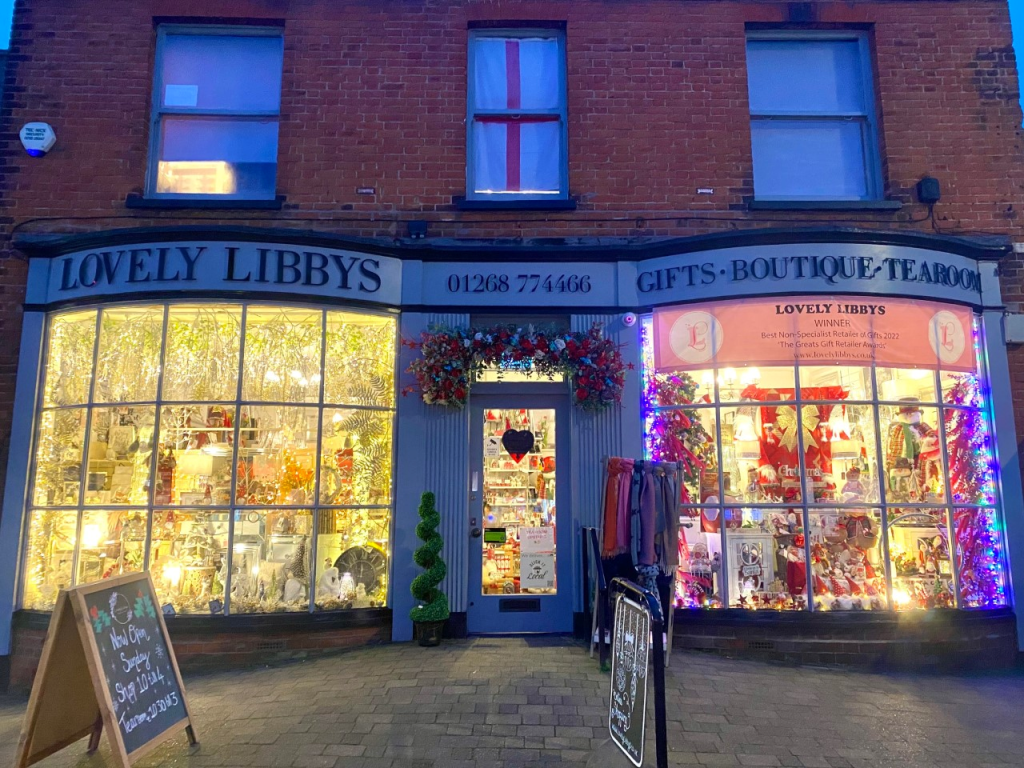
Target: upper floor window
x,y
517,116
216,108
812,117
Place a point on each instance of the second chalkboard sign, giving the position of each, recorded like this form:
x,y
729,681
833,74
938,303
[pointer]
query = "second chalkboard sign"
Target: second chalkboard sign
x,y
107,663
627,705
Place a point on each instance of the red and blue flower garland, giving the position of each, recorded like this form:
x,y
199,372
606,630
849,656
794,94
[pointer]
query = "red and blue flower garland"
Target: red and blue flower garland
x,y
452,356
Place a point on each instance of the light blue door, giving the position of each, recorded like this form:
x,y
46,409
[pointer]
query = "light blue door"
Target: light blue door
x,y
520,563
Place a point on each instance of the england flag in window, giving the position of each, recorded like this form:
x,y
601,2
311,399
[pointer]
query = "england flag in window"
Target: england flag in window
x,y
517,114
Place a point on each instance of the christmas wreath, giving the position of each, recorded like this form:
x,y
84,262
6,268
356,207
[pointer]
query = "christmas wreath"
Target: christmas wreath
x,y
450,358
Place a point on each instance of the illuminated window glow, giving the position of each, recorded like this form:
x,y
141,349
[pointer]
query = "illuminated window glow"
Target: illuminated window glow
x,y
802,486
244,481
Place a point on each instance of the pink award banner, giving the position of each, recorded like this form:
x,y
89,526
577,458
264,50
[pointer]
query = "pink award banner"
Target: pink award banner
x,y
815,330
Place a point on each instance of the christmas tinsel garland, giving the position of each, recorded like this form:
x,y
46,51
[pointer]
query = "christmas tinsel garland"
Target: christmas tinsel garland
x,y
452,356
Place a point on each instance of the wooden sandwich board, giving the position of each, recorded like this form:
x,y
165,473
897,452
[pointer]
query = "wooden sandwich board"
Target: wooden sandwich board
x,y
107,662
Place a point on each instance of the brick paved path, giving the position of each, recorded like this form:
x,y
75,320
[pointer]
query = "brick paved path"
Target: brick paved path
x,y
521,702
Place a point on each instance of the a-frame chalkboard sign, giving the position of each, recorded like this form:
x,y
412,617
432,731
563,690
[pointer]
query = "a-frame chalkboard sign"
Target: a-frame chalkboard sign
x,y
107,663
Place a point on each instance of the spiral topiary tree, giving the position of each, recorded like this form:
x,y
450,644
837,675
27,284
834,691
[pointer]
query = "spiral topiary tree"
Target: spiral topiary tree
x,y
433,603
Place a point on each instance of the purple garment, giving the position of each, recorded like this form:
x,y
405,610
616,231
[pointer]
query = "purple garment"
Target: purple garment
x,y
622,522
648,515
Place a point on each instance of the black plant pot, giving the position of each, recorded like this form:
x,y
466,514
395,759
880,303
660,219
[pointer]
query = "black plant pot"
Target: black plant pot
x,y
428,633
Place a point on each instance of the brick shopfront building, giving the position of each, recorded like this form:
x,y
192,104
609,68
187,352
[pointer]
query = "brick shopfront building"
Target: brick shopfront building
x,y
288,266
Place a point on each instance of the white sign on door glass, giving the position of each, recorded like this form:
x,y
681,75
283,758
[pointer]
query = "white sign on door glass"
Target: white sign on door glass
x,y
492,447
534,541
537,572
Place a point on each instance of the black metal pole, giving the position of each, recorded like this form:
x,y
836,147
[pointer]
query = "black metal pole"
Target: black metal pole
x,y
660,727
587,592
602,601
657,630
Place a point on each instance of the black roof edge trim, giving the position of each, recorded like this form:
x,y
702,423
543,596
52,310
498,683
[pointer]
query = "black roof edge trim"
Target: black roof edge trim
x,y
979,247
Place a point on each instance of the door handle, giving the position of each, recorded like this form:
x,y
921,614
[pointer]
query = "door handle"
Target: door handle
x,y
476,533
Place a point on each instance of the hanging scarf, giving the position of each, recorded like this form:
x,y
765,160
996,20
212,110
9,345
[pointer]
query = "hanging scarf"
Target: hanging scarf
x,y
615,539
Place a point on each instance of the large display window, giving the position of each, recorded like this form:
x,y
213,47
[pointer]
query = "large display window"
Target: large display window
x,y
241,453
838,453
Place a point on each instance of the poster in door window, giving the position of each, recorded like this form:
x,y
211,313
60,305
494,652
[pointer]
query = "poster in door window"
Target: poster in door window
x,y
537,571
535,541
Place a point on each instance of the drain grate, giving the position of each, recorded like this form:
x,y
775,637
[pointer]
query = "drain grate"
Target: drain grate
x,y
760,645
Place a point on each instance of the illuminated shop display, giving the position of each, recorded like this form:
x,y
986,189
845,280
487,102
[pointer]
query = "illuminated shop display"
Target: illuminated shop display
x,y
241,453
837,454
519,510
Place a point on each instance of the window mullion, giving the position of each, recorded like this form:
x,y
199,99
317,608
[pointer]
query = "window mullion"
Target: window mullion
x,y
881,480
154,459
316,509
498,114
236,454
84,472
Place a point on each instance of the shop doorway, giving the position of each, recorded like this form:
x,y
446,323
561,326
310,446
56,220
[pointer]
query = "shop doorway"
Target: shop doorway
x,y
520,563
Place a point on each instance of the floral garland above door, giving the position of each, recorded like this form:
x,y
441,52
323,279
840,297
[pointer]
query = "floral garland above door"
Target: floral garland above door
x,y
452,356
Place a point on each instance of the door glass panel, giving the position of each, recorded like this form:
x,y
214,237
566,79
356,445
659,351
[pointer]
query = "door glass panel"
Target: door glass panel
x,y
519,502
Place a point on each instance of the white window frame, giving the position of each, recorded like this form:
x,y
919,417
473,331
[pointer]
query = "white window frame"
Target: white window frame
x,y
870,134
561,112
158,111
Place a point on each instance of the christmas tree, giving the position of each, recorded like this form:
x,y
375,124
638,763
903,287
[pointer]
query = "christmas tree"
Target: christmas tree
x,y
972,481
676,434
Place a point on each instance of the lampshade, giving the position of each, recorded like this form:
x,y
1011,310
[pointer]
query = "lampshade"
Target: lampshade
x,y
898,389
744,428
747,450
194,463
845,450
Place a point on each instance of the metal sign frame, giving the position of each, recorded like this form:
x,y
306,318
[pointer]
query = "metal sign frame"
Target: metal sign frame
x,y
648,606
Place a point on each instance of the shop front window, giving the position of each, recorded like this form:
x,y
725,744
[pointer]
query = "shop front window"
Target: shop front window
x,y
240,453
832,464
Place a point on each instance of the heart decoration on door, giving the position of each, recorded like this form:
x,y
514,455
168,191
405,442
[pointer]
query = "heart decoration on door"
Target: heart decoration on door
x,y
518,443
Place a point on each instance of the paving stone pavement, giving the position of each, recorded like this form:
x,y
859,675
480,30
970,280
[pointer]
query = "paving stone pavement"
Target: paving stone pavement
x,y
516,702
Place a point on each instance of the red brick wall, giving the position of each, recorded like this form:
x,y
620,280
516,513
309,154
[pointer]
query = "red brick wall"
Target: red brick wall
x,y
933,640
374,96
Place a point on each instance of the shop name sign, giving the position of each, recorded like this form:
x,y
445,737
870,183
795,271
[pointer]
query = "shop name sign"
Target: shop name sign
x,y
259,267
861,269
